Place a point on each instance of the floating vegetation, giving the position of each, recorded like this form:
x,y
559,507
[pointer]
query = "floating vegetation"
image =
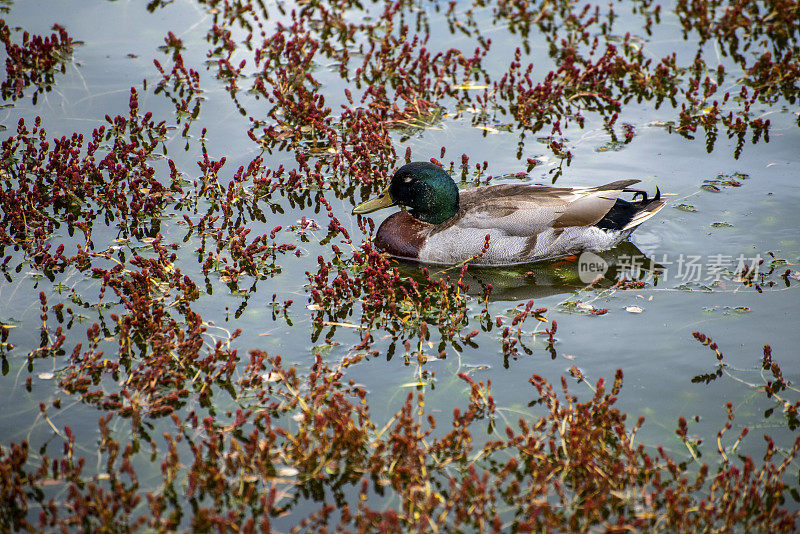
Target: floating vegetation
x,y
721,181
129,263
313,436
685,207
34,62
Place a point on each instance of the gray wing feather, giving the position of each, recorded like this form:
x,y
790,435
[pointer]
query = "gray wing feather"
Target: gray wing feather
x,y
521,210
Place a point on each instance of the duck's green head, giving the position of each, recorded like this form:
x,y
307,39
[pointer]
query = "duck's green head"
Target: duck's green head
x,y
424,188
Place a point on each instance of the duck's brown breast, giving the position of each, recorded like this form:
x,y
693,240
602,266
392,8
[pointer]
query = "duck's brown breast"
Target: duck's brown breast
x,y
402,235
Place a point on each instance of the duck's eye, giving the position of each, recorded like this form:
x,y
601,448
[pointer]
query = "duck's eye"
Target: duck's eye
x,y
407,179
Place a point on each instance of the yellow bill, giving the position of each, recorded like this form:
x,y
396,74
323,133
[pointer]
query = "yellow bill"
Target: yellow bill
x,y
384,200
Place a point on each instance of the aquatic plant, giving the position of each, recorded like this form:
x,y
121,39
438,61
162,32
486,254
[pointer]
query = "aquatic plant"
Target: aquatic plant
x,y
122,249
33,62
574,466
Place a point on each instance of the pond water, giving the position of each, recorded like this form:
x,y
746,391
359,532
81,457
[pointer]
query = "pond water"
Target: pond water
x,y
729,204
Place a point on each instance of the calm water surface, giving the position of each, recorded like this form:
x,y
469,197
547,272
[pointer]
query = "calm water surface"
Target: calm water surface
x,y
652,344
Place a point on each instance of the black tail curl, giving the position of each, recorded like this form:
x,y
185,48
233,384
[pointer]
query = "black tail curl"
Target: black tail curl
x,y
642,193
623,211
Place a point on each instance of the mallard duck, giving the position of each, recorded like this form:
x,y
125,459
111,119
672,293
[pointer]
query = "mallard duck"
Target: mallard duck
x,y
525,223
